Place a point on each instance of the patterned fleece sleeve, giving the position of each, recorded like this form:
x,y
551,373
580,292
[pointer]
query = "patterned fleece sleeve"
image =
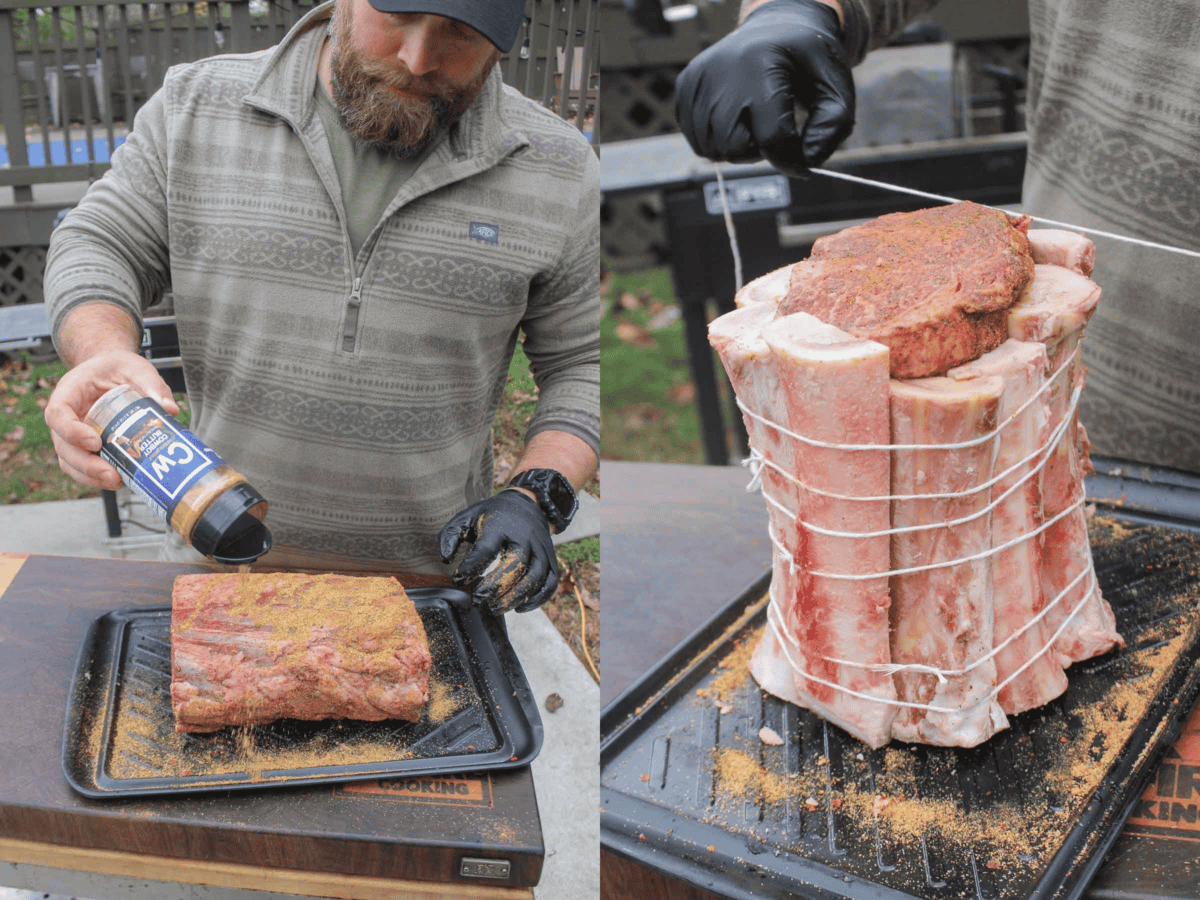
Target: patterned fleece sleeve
x,y
872,23
562,325
867,24
112,246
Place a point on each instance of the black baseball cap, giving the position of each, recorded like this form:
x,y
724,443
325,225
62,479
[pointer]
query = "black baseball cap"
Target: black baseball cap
x,y
497,20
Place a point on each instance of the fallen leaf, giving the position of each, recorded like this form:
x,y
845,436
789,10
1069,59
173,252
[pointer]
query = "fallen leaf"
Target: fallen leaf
x,y
19,459
41,402
503,467
554,702
20,389
665,319
629,302
635,334
44,384
770,737
645,776
588,600
642,414
682,393
17,434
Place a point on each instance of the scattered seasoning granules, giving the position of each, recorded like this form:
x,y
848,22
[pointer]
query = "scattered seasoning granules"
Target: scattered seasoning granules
x,y
443,702
144,744
1083,753
732,669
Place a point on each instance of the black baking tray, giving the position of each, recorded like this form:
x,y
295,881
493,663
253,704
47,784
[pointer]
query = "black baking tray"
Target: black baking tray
x,y
119,739
663,810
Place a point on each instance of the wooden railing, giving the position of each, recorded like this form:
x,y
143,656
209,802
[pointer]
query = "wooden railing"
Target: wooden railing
x,y
74,72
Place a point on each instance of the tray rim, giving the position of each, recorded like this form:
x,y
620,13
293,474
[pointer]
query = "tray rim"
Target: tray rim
x,y
621,717
511,754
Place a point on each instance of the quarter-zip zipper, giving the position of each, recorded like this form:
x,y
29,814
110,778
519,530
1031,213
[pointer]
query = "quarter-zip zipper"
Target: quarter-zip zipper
x,y
350,331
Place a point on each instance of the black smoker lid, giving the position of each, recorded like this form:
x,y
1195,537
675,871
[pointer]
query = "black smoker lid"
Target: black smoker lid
x,y
663,805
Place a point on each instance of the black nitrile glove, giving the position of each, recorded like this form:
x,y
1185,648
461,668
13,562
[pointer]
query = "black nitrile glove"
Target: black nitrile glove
x,y
735,100
511,529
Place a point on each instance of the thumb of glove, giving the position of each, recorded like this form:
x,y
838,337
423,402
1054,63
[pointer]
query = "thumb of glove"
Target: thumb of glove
x,y
460,528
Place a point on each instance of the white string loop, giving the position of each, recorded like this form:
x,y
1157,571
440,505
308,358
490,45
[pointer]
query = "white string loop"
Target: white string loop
x,y
858,179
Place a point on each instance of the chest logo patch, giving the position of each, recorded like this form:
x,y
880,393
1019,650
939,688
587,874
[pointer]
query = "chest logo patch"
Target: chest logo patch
x,y
482,231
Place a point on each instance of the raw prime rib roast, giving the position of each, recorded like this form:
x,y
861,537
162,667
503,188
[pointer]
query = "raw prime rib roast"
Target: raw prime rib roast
x,y
247,649
910,393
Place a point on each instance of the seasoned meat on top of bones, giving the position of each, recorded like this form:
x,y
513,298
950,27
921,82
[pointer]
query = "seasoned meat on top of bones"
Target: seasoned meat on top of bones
x,y
932,285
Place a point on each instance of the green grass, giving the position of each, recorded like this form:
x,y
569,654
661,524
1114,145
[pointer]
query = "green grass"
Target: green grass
x,y
29,470
584,550
516,408
647,403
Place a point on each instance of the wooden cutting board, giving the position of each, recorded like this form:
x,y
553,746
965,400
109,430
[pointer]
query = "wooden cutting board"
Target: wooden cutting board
x,y
406,837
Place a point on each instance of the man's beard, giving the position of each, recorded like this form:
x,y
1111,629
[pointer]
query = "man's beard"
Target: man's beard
x,y
375,115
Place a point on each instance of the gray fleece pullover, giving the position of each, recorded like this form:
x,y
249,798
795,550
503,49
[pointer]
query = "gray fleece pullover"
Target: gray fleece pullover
x,y
357,393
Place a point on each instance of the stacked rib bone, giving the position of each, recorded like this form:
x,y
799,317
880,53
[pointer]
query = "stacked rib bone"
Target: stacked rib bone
x,y
1054,312
827,632
942,594
1027,674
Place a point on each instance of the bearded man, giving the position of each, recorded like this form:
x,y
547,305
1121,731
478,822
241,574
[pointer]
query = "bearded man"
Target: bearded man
x,y
355,226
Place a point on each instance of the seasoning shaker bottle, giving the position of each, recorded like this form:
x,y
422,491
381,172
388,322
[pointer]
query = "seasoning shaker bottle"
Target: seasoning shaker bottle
x,y
202,498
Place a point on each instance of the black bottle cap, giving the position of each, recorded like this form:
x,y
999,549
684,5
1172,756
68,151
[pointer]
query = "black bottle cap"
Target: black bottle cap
x,y
228,533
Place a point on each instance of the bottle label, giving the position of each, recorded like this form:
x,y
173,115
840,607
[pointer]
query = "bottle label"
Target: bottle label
x,y
157,457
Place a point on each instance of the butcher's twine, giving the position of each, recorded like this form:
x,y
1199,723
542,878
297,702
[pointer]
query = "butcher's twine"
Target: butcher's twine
x,y
757,461
1033,464
900,189
845,176
786,640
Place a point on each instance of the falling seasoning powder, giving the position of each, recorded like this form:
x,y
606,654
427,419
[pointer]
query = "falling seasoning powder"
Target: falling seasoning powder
x,y
203,499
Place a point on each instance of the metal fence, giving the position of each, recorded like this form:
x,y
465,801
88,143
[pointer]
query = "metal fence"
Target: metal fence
x,y
73,74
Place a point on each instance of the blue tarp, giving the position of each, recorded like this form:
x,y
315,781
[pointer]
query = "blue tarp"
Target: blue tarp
x,y
58,151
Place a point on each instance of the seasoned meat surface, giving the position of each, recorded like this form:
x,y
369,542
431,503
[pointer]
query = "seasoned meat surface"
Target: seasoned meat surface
x,y
248,649
932,285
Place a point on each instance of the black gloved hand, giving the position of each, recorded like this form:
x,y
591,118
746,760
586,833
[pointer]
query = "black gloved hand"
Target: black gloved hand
x,y
735,100
511,529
